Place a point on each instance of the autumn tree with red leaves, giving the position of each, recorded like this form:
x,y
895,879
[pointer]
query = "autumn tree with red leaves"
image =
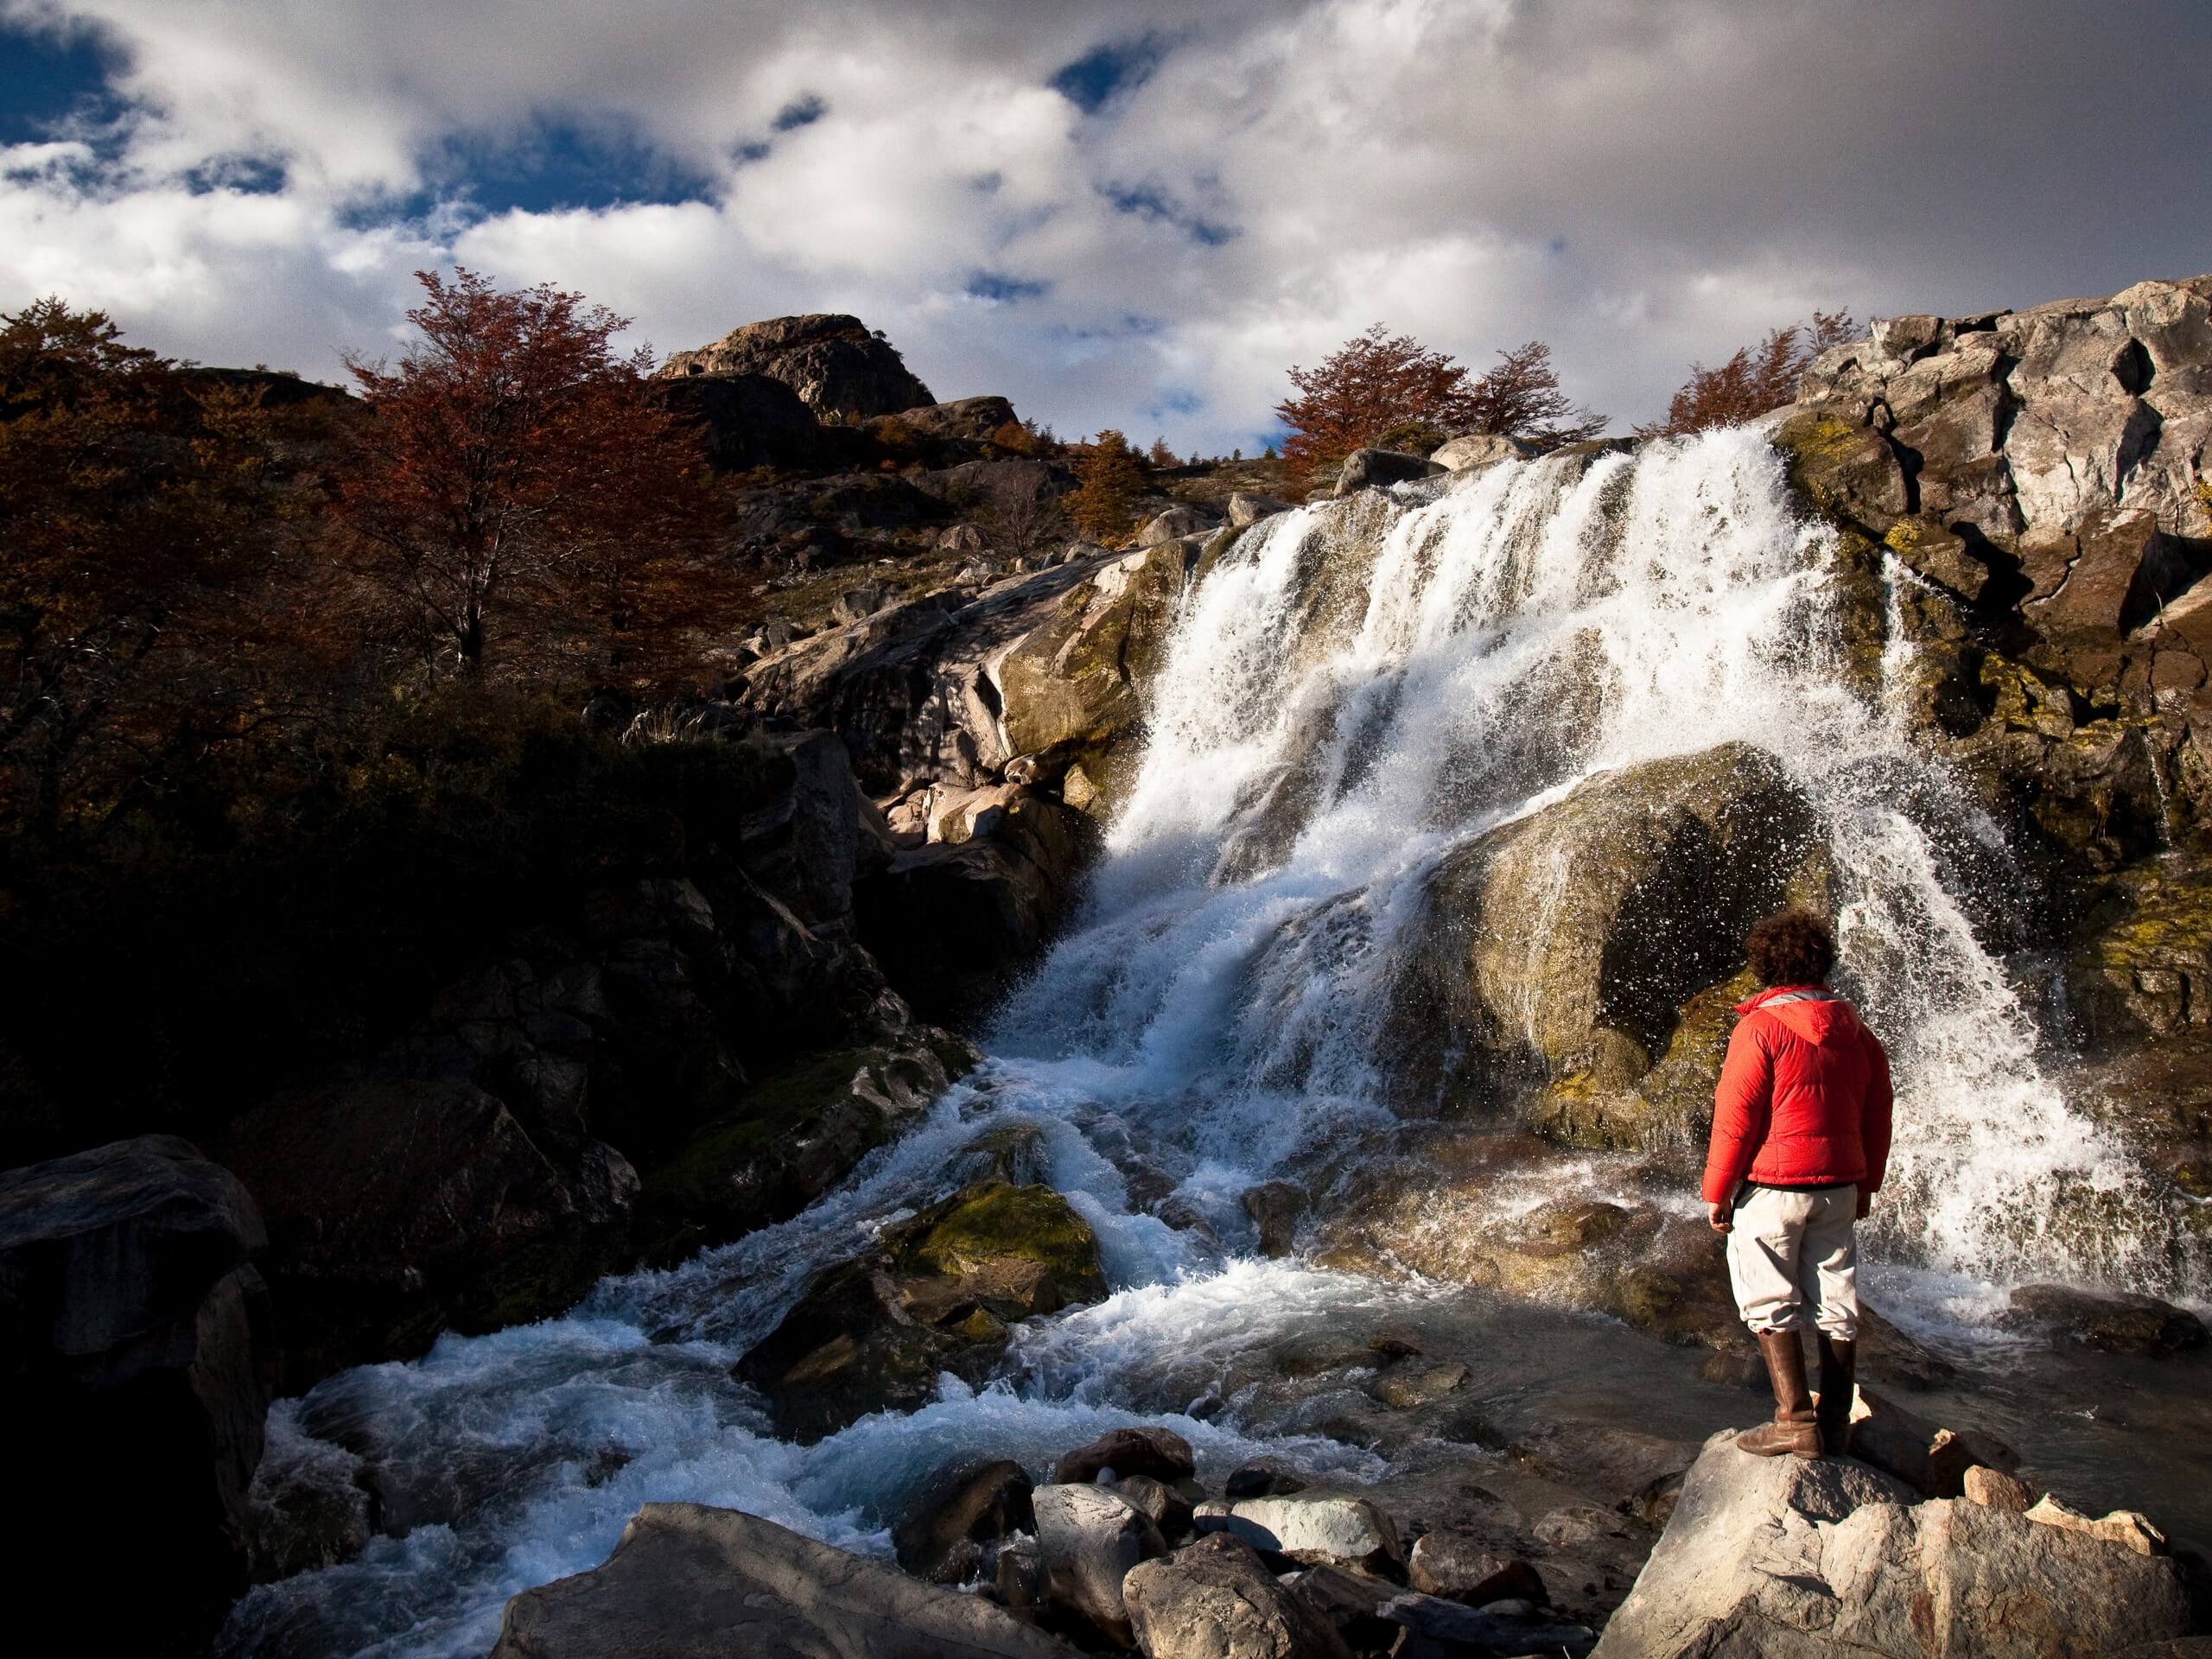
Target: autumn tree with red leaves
x,y
1379,384
1756,380
519,489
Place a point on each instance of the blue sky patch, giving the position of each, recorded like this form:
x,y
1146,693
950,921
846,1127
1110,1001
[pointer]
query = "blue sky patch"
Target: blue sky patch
x,y
1091,81
802,112
560,163
1000,289
1150,202
49,81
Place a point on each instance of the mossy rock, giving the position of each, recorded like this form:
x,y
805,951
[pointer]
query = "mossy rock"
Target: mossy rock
x,y
1847,474
795,1133
939,1292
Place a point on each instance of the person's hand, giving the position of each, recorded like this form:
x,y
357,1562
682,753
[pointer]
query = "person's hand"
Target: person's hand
x,y
1717,1217
1865,1201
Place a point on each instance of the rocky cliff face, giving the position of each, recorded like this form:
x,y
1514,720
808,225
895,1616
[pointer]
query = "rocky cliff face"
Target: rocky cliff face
x,y
840,369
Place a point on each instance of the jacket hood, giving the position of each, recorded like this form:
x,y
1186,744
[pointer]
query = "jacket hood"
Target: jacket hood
x,y
1814,1013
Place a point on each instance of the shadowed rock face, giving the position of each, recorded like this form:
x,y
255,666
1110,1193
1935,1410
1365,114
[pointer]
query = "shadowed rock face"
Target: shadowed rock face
x,y
688,1580
135,1364
840,368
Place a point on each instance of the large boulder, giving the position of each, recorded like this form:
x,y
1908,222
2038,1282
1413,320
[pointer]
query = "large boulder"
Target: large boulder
x,y
972,419
937,1292
1158,1453
690,1582
134,1362
963,1507
953,922
1377,469
1557,952
1789,1558
840,369
1216,1600
1091,1538
398,1206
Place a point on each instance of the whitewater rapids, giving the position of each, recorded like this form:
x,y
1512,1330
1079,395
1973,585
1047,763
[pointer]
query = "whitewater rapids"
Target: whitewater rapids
x,y
1472,650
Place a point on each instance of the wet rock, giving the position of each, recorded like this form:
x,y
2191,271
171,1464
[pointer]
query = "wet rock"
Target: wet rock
x,y
1405,1387
953,923
1274,1208
1074,686
937,1292
1024,1583
1267,1479
837,365
1557,952
1215,1599
1613,1464
1761,1549
688,1582
2114,1322
963,1507
1091,1538
1344,1532
1166,1508
1464,1569
1375,469
134,1357
1159,1452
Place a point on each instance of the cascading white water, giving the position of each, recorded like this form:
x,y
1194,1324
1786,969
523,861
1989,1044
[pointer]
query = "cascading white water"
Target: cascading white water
x,y
1356,690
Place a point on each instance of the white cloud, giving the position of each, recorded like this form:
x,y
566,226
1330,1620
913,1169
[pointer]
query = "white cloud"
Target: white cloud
x,y
1639,181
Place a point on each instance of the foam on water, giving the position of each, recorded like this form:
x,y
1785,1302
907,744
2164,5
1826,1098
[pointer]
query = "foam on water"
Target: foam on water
x,y
1357,689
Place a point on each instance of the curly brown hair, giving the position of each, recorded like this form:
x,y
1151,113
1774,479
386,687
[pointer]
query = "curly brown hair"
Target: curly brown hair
x,y
1791,947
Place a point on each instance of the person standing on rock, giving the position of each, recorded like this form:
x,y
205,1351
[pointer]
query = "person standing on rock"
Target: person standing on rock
x,y
1801,1137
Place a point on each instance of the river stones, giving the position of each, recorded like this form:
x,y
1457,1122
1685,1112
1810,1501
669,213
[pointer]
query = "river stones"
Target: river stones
x,y
935,1294
1216,1600
1346,1532
1091,1538
1555,953
690,1582
1160,1452
1466,1569
963,1507
2114,1322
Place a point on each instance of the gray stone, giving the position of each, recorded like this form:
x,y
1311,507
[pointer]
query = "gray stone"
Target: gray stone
x,y
1479,449
1245,509
690,1582
1462,1568
963,1507
1216,1600
2115,1322
1091,1538
1346,1532
1377,469
1797,1559
1503,1627
1172,526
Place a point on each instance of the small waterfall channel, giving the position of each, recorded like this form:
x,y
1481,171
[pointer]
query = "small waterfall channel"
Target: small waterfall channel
x,y
1357,689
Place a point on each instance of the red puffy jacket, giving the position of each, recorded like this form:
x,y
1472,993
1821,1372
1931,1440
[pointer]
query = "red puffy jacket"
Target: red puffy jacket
x,y
1804,1097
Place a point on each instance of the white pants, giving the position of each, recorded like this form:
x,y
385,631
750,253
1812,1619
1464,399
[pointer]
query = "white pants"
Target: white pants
x,y
1790,1250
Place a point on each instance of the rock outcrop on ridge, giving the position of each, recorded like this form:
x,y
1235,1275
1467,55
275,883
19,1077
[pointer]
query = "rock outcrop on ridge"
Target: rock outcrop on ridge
x,y
841,368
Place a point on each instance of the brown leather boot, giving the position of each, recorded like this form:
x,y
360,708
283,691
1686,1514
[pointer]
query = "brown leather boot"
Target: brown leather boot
x,y
1839,1390
1795,1430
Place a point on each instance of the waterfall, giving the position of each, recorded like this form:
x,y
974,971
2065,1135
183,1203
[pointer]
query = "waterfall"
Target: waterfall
x,y
1358,688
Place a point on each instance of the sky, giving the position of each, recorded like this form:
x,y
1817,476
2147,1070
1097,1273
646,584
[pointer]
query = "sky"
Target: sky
x,y
1125,212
